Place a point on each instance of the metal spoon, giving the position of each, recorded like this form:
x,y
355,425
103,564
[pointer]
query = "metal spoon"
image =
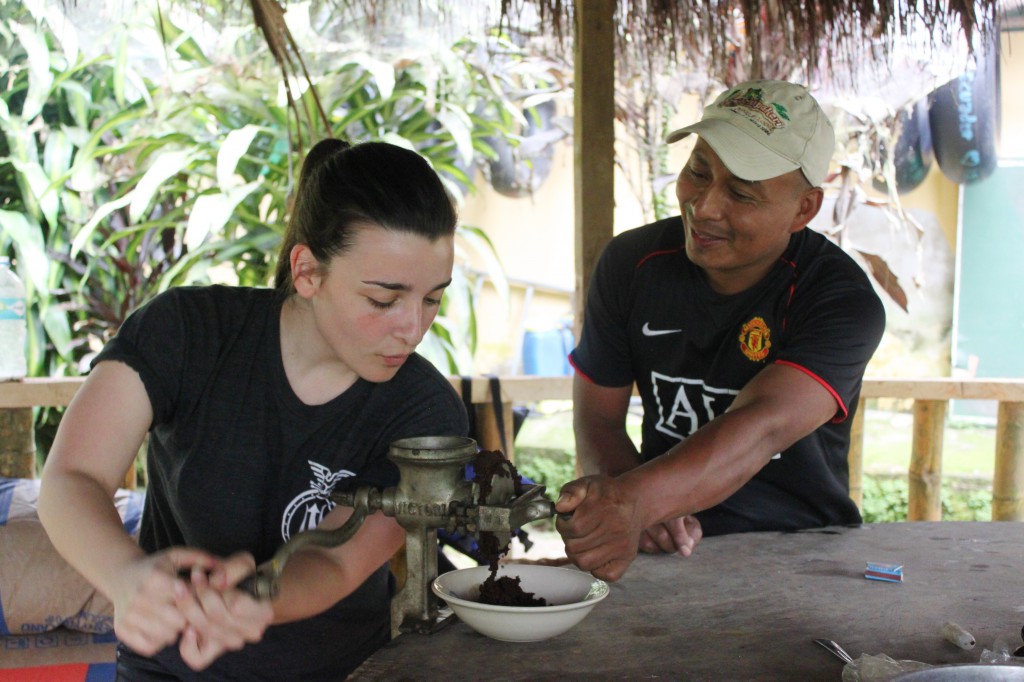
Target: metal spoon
x,y
837,650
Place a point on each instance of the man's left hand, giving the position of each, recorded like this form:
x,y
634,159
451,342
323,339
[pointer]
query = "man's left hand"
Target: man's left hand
x,y
679,535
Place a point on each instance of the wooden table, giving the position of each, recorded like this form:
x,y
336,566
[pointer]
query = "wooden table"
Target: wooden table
x,y
747,607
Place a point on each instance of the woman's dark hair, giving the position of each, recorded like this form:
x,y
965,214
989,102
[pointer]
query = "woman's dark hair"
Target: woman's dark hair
x,y
343,187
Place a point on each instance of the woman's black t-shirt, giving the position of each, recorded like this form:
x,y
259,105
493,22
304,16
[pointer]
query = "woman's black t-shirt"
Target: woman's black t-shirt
x,y
237,462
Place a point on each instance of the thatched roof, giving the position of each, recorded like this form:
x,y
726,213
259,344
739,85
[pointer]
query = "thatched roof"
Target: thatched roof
x,y
725,41
734,39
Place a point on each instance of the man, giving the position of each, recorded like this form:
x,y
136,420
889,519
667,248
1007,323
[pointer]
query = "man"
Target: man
x,y
747,336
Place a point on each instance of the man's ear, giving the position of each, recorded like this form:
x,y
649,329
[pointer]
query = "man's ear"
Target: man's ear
x,y
306,271
810,204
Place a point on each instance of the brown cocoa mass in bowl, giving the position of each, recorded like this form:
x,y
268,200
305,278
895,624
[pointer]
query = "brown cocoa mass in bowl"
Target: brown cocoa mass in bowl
x,y
506,591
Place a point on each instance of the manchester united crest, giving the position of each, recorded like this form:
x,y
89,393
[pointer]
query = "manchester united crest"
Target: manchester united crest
x,y
756,339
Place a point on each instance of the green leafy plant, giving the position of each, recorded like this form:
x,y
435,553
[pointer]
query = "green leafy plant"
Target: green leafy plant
x,y
886,499
122,186
124,175
549,467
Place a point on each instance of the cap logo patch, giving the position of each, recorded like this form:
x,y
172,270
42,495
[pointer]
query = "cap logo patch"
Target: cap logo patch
x,y
755,339
750,104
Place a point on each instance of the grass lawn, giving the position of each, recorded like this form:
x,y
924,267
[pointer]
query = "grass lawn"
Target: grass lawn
x,y
967,449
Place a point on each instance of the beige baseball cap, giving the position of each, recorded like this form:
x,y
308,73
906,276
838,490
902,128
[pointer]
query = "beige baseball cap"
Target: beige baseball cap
x,y
790,129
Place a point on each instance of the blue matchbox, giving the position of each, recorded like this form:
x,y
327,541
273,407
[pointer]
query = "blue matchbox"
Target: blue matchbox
x,y
892,573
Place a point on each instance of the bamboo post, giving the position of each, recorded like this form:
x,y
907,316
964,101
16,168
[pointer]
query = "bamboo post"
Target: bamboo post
x,y
131,477
594,131
488,436
855,458
925,475
17,443
1008,477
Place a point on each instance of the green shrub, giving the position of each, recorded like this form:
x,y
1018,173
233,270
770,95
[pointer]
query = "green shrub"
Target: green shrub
x,y
886,499
551,468
966,501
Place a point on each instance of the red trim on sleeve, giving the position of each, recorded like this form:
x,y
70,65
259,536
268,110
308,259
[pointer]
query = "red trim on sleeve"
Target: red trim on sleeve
x,y
842,406
579,372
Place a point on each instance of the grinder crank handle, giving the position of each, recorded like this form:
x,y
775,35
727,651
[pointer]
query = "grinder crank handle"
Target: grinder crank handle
x,y
264,583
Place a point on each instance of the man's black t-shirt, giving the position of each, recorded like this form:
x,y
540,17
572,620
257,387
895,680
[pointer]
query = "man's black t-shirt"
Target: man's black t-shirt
x,y
237,461
653,319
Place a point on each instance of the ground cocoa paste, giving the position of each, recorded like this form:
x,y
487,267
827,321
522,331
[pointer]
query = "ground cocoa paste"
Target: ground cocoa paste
x,y
506,591
503,591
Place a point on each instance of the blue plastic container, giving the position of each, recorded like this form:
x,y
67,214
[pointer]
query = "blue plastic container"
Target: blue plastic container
x,y
546,353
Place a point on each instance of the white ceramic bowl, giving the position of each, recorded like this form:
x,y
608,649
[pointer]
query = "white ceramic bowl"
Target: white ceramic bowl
x,y
570,594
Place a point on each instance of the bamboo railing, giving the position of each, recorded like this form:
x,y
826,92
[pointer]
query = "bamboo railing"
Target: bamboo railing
x,y
930,398
931,403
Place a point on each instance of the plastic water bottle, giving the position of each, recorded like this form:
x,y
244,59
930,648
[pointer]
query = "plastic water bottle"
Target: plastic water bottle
x,y
13,328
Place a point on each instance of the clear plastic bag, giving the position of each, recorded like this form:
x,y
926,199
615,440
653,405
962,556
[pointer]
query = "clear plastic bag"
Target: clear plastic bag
x,y
869,668
1001,653
882,668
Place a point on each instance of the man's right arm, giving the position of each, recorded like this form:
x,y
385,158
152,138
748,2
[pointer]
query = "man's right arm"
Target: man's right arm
x,y
603,446
599,421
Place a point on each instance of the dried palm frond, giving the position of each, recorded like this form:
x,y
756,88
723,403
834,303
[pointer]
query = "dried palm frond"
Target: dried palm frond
x,y
268,15
772,38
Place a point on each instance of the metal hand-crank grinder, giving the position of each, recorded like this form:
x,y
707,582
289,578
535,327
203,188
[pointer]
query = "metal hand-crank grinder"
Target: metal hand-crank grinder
x,y
432,493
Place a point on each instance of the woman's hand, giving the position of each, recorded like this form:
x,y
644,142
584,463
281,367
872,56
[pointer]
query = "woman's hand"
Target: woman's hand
x,y
147,602
220,617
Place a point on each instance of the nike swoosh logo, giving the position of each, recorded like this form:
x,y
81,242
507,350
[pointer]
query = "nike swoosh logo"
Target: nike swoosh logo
x,y
658,332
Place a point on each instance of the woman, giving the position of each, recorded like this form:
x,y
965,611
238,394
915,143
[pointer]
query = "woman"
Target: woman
x,y
258,404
